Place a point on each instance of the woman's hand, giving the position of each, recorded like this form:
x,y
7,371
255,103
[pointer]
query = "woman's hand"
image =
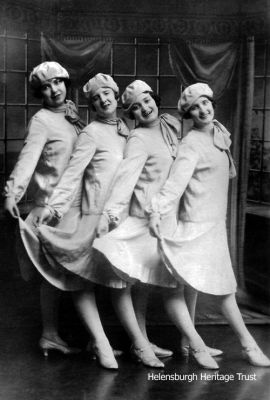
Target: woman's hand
x,y
154,225
103,226
11,207
42,215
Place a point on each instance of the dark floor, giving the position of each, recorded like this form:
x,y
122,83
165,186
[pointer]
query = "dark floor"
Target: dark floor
x,y
26,375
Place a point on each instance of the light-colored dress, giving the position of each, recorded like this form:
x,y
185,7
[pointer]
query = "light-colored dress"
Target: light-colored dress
x,y
198,253
96,157
50,140
133,253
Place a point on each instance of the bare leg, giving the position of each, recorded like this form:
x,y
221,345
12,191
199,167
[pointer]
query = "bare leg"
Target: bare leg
x,y
178,312
191,296
122,301
49,302
85,302
251,350
140,294
232,313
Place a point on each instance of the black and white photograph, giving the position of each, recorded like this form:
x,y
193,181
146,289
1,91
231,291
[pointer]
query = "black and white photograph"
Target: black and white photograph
x,y
135,199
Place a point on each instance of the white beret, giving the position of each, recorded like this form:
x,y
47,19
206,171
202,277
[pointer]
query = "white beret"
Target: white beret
x,y
191,94
45,71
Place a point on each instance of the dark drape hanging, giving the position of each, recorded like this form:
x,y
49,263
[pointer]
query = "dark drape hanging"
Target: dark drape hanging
x,y
82,58
210,63
229,69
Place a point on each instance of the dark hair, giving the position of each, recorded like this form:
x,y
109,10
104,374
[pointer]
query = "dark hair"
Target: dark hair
x,y
187,114
154,96
38,93
93,108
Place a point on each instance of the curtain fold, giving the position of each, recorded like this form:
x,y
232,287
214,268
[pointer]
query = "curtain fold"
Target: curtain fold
x,y
228,68
83,59
210,63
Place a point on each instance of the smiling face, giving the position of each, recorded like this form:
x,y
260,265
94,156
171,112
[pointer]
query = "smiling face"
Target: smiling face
x,y
104,102
145,110
202,112
54,92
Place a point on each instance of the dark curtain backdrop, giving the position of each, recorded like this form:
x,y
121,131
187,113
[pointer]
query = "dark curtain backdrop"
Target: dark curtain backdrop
x,y
82,58
227,67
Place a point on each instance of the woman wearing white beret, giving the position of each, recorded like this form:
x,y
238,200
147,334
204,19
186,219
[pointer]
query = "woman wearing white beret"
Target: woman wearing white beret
x,y
197,254
51,136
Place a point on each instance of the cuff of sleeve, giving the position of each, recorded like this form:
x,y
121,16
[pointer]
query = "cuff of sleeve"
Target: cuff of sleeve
x,y
54,212
112,219
154,214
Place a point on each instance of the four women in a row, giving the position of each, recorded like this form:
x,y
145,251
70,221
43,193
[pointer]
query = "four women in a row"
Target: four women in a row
x,y
100,178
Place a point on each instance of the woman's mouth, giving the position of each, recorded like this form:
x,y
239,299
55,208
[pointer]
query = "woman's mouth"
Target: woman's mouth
x,y
146,114
203,116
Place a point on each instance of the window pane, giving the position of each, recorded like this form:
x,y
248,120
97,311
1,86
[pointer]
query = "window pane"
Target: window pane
x,y
2,157
15,88
259,59
34,54
266,187
267,102
258,92
255,154
2,131
16,54
268,58
32,111
266,156
257,125
169,91
15,122
152,82
2,87
147,40
2,53
124,57
123,82
147,60
267,125
254,186
165,68
13,149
